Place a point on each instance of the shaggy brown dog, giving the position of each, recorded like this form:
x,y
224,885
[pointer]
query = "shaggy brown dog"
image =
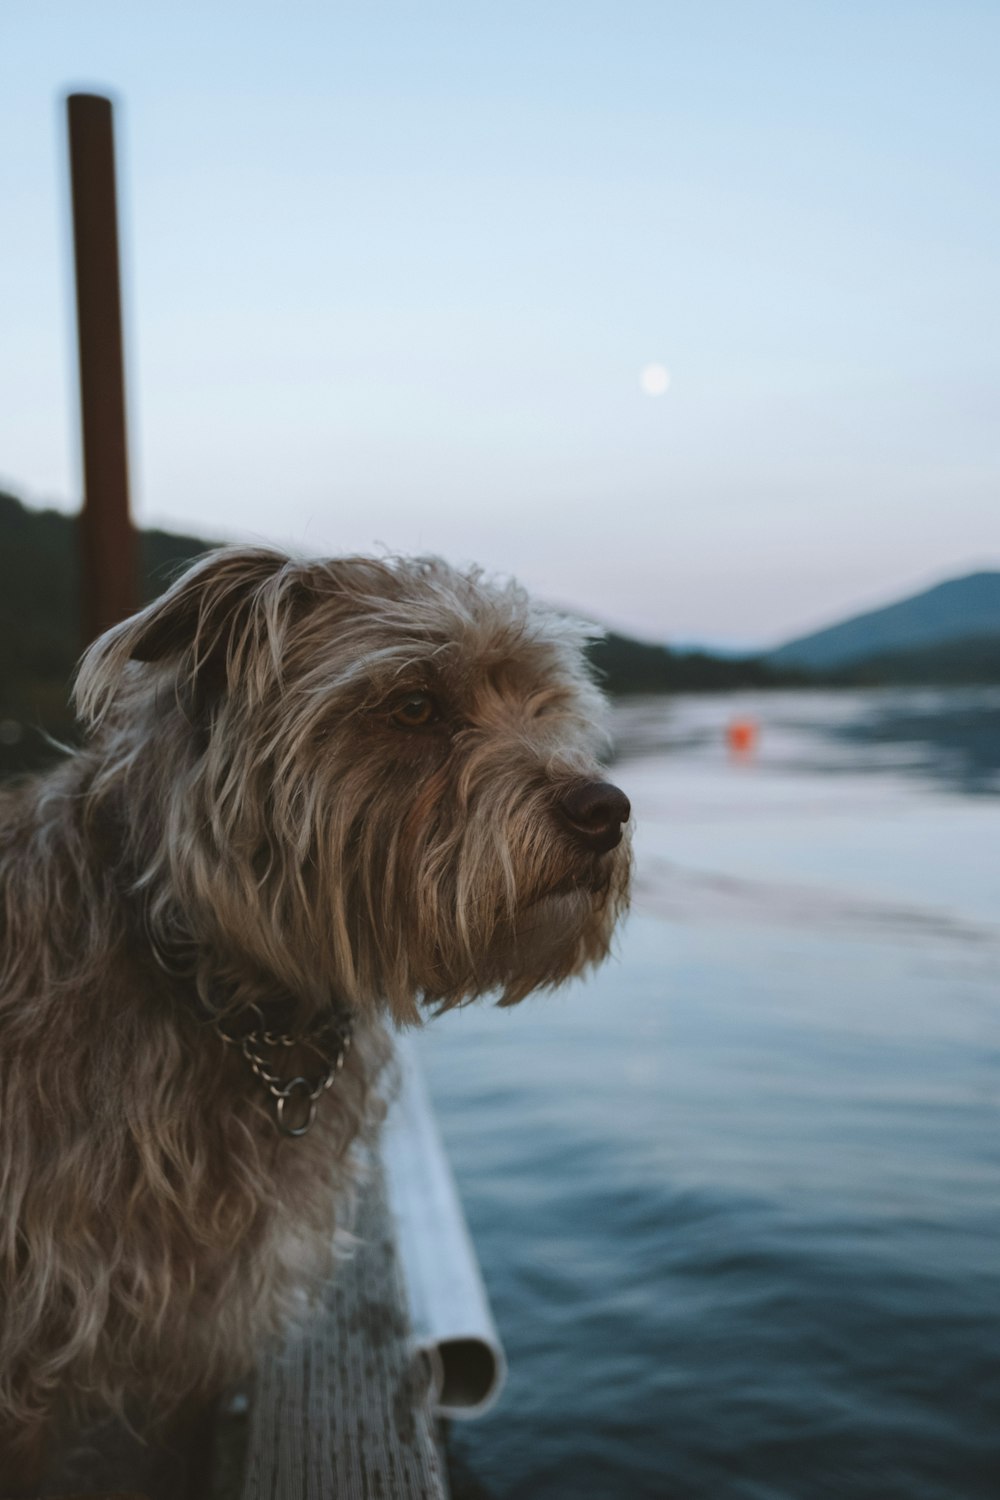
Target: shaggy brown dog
x,y
314,796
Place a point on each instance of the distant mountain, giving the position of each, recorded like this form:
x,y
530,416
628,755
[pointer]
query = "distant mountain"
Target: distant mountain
x,y
961,610
972,659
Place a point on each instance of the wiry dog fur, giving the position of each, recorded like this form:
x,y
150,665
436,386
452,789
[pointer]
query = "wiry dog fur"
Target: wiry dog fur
x,y
250,821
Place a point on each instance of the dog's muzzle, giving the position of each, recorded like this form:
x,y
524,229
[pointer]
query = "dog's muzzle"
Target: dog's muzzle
x,y
594,812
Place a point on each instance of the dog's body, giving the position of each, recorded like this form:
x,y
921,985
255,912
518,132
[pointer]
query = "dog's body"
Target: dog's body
x,y
314,796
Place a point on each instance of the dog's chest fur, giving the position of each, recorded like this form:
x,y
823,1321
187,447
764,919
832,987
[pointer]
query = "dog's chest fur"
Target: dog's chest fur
x,y
156,1225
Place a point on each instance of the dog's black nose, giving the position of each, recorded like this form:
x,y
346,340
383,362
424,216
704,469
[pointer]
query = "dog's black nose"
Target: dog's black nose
x,y
595,811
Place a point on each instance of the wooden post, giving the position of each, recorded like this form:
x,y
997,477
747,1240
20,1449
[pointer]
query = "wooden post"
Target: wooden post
x,y
108,550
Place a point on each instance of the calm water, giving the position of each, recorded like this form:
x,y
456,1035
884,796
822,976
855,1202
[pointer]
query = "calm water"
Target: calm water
x,y
737,1198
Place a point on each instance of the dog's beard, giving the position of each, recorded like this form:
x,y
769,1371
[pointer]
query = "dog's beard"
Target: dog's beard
x,y
557,938
553,935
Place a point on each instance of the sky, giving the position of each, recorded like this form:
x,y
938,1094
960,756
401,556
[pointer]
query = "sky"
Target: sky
x,y
394,272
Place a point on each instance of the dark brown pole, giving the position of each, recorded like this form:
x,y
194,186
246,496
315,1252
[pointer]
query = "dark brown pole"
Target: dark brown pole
x,y
108,551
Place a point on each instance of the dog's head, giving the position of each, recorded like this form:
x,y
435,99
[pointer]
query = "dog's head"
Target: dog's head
x,y
377,778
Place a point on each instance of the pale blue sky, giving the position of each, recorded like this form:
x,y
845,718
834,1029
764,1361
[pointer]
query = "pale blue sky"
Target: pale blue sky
x,y
394,269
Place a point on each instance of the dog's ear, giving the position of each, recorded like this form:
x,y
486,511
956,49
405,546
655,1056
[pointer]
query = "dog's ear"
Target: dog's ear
x,y
205,608
227,602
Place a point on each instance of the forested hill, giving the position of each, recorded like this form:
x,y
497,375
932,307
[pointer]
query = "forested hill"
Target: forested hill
x,y
40,618
629,666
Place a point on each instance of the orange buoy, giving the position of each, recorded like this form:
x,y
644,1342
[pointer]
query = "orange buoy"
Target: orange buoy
x,y
741,736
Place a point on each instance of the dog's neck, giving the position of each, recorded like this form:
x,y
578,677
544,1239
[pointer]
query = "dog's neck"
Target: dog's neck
x,y
215,984
293,1053
236,994
293,1045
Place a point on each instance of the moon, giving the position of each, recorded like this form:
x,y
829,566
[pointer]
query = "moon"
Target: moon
x,y
654,380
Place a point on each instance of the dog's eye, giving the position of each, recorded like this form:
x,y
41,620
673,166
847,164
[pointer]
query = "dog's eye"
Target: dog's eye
x,y
414,711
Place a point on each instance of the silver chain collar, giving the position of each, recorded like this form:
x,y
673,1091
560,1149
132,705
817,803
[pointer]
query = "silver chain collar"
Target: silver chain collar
x,y
329,1037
